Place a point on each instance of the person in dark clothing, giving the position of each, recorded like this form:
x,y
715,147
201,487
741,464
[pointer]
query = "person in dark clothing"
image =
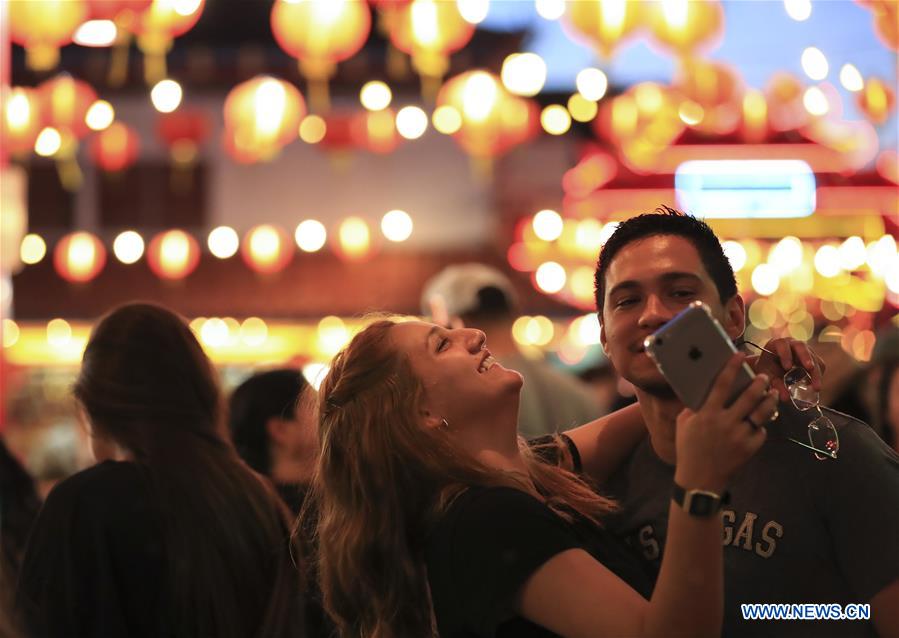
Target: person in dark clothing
x,y
273,430
171,534
436,517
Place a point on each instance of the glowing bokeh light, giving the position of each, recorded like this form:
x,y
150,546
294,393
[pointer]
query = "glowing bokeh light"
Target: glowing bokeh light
x,y
223,242
128,247
310,235
396,225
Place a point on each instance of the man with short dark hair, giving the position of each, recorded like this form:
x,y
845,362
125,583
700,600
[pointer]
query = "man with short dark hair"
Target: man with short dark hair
x,y
801,525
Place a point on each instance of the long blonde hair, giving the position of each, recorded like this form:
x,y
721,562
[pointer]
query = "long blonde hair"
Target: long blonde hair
x,y
383,480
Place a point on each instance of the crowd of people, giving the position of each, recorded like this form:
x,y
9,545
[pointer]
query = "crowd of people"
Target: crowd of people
x,y
436,485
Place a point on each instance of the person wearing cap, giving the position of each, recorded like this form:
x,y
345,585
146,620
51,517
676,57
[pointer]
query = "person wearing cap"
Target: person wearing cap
x,y
479,296
274,432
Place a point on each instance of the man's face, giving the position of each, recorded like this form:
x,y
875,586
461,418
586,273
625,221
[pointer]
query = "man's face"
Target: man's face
x,y
648,282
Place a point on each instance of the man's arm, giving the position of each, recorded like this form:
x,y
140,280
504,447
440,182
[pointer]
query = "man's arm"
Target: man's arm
x,y
606,442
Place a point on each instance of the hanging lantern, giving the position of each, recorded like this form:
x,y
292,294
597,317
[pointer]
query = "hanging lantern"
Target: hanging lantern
x,y
876,100
156,28
320,33
388,11
786,111
353,240
430,31
79,257
123,13
261,116
65,102
754,127
375,131
21,122
683,26
267,249
603,24
886,21
493,120
182,132
115,148
173,254
42,27
717,90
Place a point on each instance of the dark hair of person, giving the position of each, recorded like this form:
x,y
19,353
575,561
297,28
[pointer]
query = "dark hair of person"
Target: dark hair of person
x,y
259,398
384,479
493,305
146,384
668,221
886,429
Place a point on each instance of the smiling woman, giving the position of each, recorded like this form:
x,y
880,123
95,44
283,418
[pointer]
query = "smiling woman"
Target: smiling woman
x,y
436,517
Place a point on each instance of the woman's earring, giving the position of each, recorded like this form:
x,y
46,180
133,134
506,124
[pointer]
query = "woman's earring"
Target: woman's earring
x,y
445,424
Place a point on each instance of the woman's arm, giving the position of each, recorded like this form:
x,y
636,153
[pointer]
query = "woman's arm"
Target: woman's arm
x,y
574,596
605,443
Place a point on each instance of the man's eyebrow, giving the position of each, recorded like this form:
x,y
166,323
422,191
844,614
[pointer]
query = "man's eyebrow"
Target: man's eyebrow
x,y
630,284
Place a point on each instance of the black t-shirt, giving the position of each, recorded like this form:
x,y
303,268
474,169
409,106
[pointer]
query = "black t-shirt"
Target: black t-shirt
x,y
95,560
797,530
487,545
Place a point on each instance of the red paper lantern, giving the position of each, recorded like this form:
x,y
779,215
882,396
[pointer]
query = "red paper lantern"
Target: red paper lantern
x,y
21,121
267,249
717,89
156,28
79,257
876,100
375,131
119,11
42,27
683,27
116,148
320,33
65,102
173,254
261,116
603,25
182,132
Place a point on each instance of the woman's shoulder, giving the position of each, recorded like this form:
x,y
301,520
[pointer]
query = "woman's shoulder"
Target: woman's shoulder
x,y
103,484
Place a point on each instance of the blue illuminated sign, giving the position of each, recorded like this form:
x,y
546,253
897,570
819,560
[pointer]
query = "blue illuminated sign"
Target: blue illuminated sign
x,y
745,188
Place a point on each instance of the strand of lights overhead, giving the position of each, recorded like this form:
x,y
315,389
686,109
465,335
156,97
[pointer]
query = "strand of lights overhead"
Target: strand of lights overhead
x,y
313,129
32,249
48,142
550,277
550,9
548,225
814,63
375,95
555,119
524,74
798,10
582,109
166,96
851,79
310,235
473,11
446,119
411,122
99,116
592,83
128,247
223,242
96,33
397,225
815,101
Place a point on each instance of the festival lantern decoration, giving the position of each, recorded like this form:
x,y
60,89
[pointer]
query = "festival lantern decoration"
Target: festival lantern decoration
x,y
493,120
79,257
886,21
430,31
783,95
717,90
21,120
876,100
683,26
43,27
261,116
65,102
604,24
388,10
352,242
182,132
594,171
754,126
173,254
157,27
115,148
375,131
267,249
123,13
320,33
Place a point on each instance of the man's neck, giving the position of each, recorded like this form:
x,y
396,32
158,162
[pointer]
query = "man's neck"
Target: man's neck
x,y
660,416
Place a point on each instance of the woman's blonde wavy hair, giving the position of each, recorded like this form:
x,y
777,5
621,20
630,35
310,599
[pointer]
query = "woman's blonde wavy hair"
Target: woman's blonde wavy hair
x,y
383,480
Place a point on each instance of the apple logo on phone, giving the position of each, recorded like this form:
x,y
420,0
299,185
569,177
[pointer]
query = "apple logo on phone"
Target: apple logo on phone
x,y
694,353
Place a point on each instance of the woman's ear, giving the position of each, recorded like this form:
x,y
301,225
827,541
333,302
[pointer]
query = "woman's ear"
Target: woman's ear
x,y
431,420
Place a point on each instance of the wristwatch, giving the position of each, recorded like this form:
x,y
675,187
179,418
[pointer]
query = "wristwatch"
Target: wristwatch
x,y
699,503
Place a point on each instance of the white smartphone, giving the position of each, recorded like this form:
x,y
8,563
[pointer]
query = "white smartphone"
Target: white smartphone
x,y
690,351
